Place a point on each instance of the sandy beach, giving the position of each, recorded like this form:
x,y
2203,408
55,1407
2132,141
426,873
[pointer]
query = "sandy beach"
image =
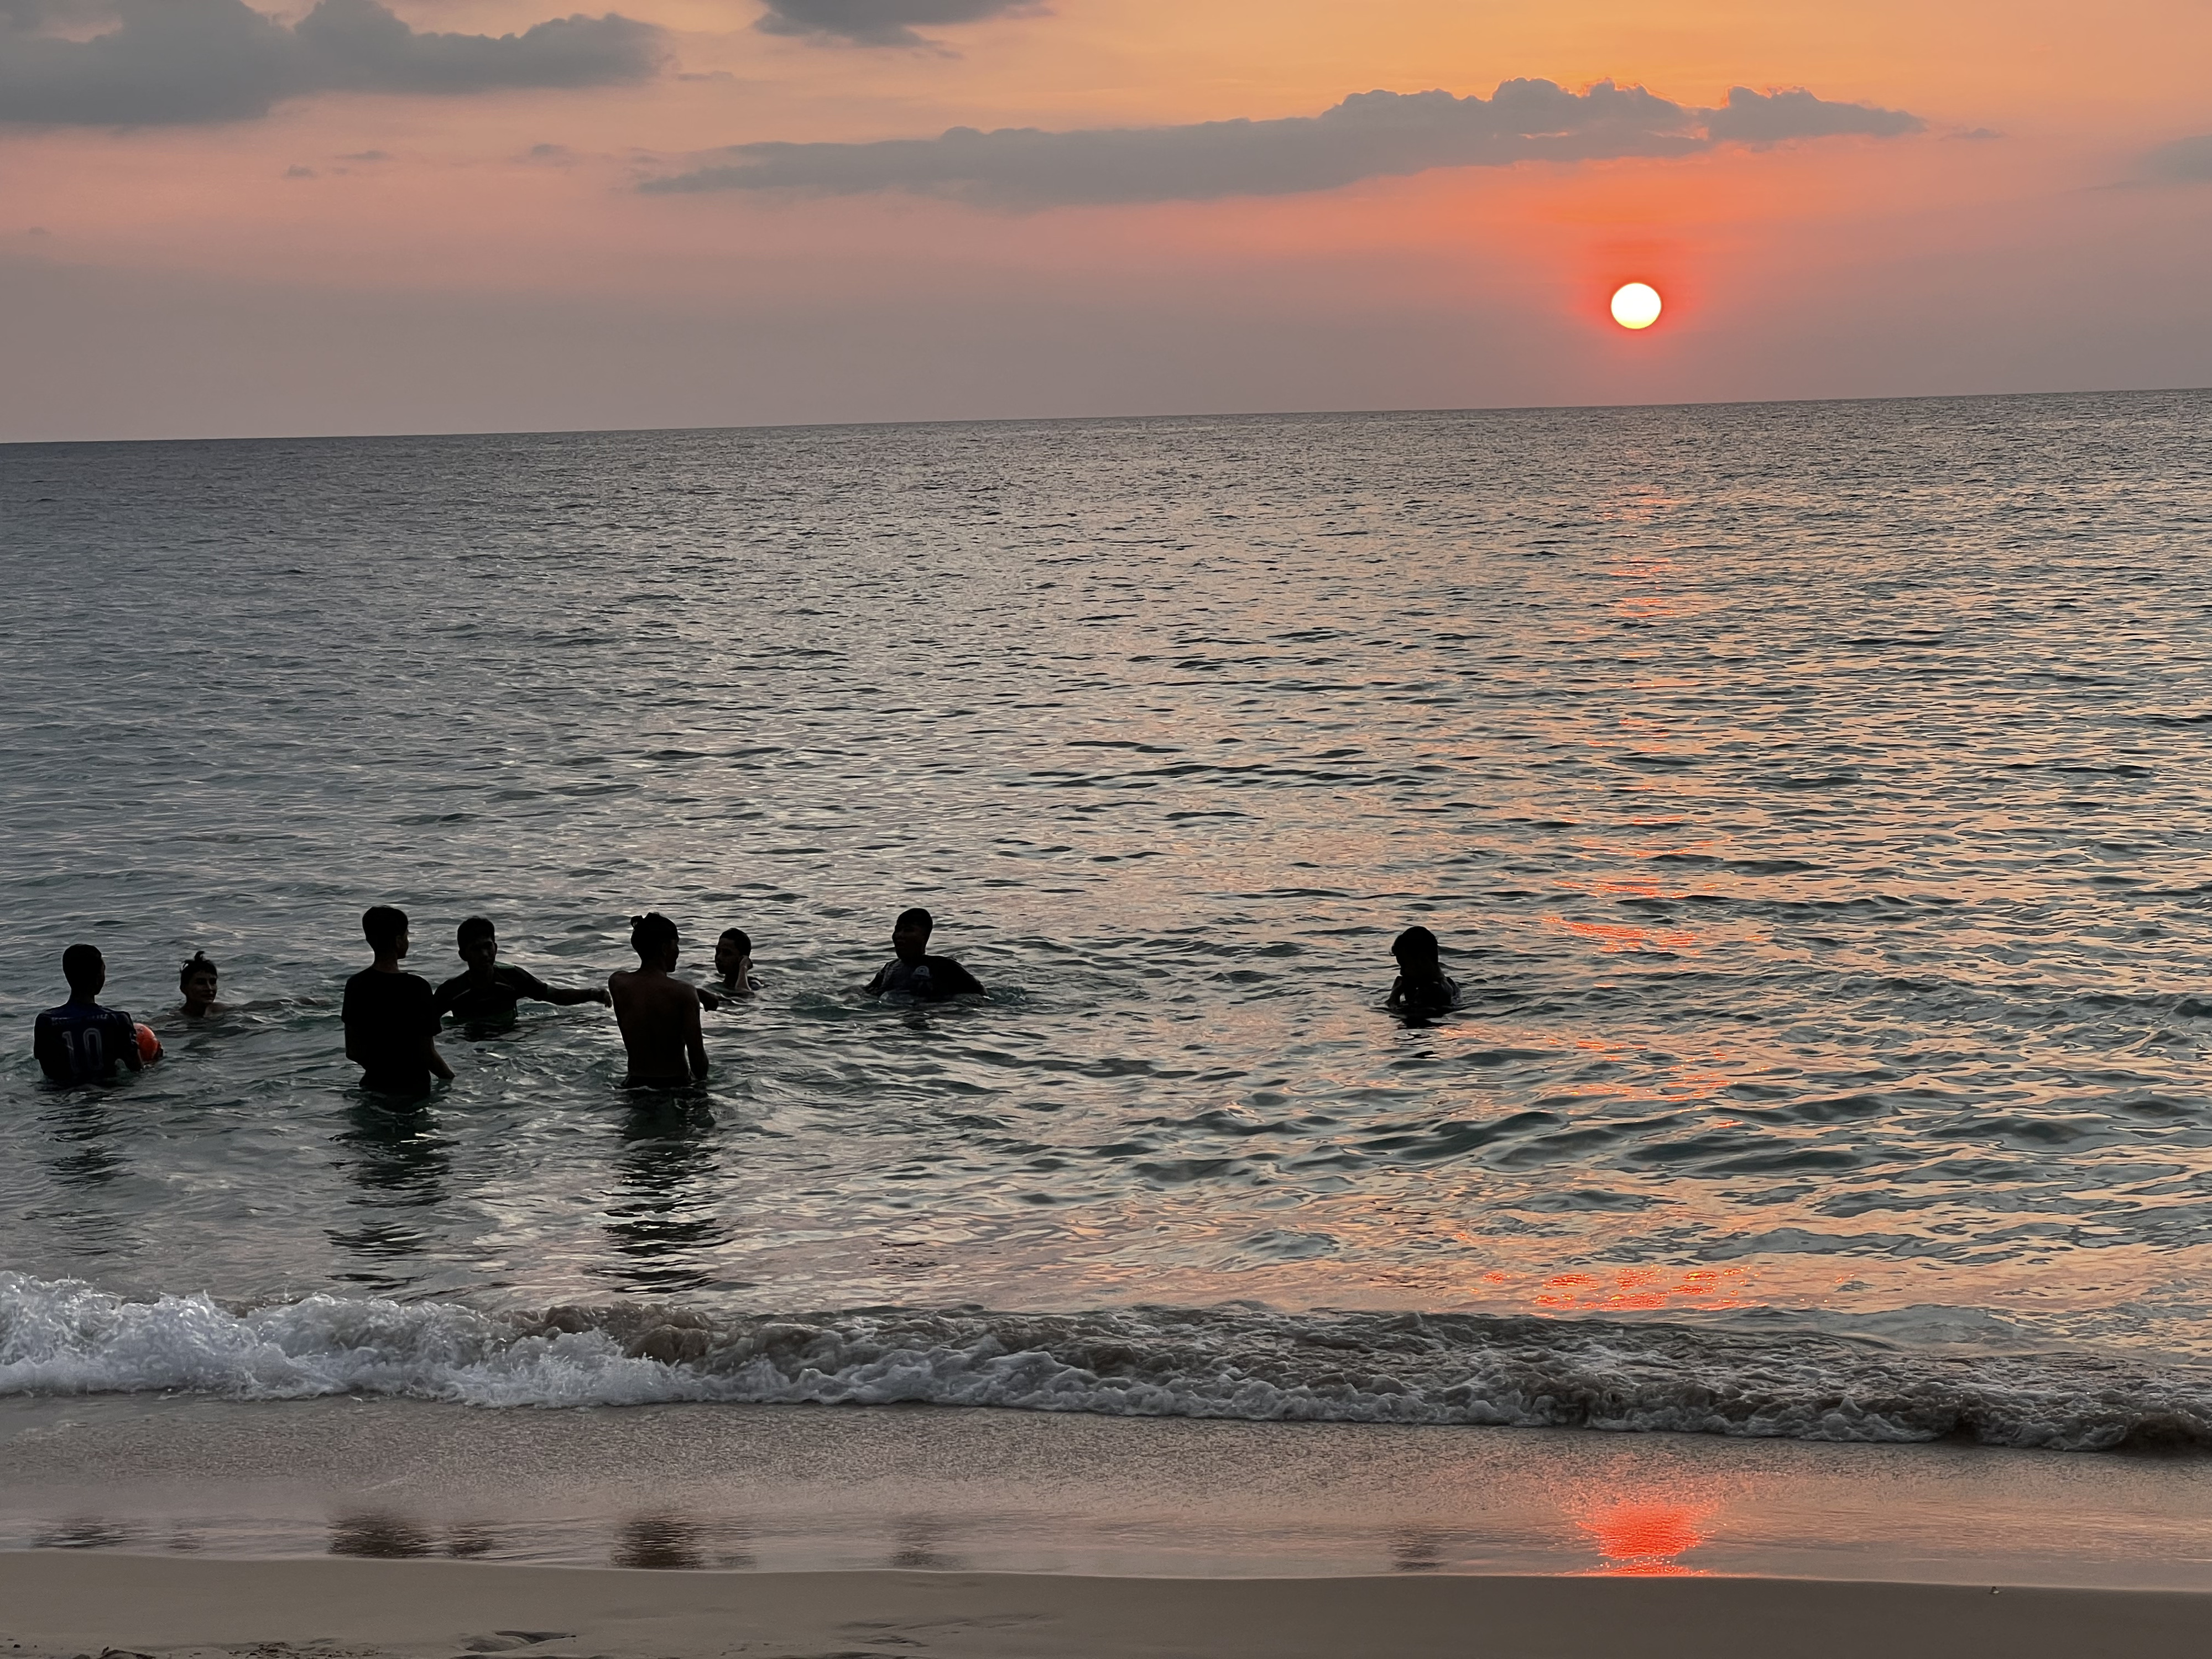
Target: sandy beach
x,y
70,1605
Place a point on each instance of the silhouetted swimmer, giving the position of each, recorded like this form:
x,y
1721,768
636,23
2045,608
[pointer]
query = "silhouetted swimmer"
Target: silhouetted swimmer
x,y
198,980
658,1013
390,1020
490,989
80,1041
916,973
733,962
1421,988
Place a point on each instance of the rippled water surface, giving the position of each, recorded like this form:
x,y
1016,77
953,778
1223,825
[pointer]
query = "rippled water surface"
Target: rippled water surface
x,y
1811,799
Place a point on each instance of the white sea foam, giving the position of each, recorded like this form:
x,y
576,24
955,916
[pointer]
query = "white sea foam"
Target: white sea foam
x,y
60,1338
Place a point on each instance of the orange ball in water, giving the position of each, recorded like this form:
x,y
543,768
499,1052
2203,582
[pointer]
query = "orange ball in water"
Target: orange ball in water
x,y
150,1046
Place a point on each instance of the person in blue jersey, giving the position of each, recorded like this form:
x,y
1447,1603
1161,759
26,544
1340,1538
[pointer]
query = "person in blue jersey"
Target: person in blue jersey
x,y
916,973
82,1042
490,990
390,1020
1421,990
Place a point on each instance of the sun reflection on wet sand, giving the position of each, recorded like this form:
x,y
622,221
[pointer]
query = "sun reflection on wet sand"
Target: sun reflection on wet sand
x,y
1645,1538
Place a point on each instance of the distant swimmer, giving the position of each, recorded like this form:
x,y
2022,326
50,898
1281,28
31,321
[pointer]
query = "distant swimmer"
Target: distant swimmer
x,y
82,1042
390,1020
490,989
1421,988
197,980
733,963
658,1013
917,974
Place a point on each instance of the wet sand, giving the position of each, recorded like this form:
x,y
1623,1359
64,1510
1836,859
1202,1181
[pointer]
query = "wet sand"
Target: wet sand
x,y
69,1605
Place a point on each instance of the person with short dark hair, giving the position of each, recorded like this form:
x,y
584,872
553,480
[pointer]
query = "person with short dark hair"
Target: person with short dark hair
x,y
733,962
1420,989
490,989
390,1020
658,1014
916,973
198,980
80,1041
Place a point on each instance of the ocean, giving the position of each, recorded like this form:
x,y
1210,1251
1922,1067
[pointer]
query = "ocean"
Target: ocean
x,y
1810,799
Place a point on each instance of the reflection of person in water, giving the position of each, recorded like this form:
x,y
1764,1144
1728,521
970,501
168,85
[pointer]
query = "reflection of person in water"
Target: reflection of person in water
x,y
399,1161
917,974
1421,989
491,989
664,1220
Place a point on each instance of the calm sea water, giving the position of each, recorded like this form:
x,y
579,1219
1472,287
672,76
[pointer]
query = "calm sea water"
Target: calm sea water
x,y
1811,799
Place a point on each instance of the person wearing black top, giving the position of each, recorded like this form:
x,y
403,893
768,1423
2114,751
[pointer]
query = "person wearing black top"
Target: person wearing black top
x,y
390,1020
916,974
490,989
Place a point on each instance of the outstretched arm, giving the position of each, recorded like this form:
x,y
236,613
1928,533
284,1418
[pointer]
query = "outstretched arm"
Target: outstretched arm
x,y
962,983
570,998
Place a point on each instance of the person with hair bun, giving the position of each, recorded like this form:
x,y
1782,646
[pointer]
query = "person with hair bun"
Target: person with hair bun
x,y
658,1013
198,979
1421,989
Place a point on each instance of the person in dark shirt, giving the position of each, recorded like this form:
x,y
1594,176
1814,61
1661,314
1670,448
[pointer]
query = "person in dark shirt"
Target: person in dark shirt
x,y
391,1022
490,989
80,1041
733,962
917,974
1421,990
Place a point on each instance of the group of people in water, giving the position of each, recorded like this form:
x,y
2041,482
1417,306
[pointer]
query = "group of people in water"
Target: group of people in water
x,y
392,1017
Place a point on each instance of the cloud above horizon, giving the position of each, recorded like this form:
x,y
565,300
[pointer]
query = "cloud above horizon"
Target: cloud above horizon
x,y
880,22
171,63
2184,160
1370,134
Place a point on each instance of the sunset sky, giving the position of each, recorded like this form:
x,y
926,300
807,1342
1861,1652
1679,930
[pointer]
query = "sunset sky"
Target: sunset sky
x,y
366,218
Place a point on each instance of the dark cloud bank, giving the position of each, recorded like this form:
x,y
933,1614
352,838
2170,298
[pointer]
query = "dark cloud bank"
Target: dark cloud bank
x,y
1370,134
172,62
880,22
2184,160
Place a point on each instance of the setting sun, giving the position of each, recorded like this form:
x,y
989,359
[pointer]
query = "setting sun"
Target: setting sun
x,y
1636,305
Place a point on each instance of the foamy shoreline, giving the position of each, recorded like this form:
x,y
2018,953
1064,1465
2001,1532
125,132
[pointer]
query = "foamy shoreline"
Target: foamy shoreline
x,y
71,1605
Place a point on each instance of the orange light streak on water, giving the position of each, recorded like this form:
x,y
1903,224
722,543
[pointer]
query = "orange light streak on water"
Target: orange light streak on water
x,y
1645,1539
1645,1290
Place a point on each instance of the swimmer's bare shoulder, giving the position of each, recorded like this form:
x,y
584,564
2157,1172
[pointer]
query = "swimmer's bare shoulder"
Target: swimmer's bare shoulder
x,y
658,1015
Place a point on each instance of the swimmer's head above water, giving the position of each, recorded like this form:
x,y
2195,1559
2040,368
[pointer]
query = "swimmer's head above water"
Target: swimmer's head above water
x,y
733,954
198,980
385,928
1416,950
653,937
910,934
86,971
478,944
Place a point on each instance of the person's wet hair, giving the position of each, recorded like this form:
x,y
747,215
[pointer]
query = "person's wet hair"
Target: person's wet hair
x,y
474,928
651,933
1415,948
84,967
381,925
917,920
191,970
739,937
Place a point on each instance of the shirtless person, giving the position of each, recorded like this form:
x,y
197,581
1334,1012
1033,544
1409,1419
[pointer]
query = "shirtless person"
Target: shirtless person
x,y
491,989
658,1013
733,963
916,973
197,980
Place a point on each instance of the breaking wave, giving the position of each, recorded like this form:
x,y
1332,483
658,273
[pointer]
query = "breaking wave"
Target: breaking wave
x,y
69,1338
